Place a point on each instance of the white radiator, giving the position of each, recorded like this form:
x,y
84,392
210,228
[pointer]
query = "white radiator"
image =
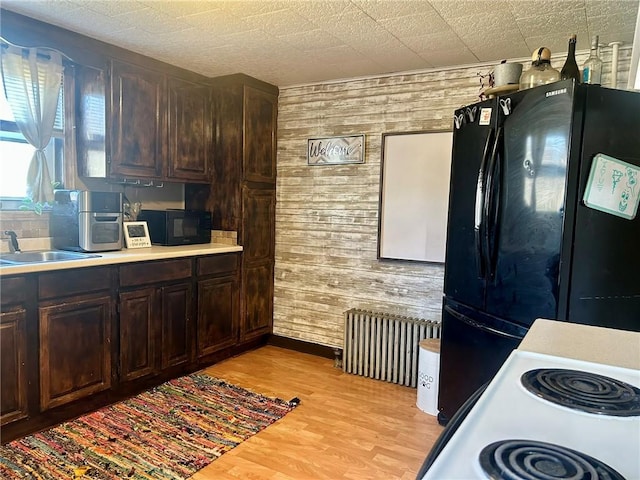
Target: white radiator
x,y
385,346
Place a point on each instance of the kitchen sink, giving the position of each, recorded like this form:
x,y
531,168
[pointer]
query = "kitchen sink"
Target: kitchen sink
x,y
42,257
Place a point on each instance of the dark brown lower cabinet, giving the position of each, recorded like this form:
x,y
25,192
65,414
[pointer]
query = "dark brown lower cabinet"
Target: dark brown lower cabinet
x,y
138,318
217,311
257,282
75,316
177,305
156,307
75,349
65,351
13,392
218,303
15,293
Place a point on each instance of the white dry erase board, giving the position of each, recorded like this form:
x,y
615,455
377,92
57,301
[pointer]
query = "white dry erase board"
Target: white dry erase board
x,y
414,195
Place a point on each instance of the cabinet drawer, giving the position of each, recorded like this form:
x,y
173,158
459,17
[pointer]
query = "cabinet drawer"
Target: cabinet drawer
x,y
73,282
13,289
154,272
218,264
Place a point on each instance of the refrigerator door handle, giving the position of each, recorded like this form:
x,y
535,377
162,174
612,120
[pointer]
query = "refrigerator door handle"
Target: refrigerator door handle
x,y
463,318
479,225
491,222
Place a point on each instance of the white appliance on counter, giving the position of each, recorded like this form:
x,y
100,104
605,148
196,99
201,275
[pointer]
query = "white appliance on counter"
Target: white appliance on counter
x,y
552,416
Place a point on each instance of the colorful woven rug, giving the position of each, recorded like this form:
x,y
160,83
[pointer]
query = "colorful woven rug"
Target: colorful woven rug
x,y
168,432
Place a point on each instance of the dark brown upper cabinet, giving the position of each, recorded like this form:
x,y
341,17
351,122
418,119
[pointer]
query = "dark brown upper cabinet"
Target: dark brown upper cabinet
x,y
190,131
91,121
133,123
138,122
260,117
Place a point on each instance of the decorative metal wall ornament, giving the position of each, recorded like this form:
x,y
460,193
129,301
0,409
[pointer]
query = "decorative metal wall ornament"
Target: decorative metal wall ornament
x,y
335,150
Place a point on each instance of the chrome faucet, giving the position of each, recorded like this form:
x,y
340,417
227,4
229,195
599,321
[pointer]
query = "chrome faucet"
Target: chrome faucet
x,y
13,239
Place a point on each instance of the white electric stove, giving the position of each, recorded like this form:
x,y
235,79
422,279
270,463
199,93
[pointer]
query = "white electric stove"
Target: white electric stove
x,y
513,433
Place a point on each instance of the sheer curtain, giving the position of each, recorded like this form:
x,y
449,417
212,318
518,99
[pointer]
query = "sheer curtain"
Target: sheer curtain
x,y
32,79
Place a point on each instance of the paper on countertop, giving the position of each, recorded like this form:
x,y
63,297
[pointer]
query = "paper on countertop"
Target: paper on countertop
x,y
613,187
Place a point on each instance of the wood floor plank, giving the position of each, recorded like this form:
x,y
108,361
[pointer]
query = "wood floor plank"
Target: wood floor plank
x,y
346,426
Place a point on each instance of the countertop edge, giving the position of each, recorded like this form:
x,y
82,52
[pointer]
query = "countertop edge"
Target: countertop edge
x,y
123,256
589,343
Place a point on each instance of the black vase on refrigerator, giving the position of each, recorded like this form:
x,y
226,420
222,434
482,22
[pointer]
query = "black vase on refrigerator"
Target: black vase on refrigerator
x,y
521,243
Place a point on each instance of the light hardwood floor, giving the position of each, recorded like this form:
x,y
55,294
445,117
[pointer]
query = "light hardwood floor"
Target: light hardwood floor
x,y
346,426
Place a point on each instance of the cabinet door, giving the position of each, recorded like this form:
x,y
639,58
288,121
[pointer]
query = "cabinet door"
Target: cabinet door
x,y
258,232
138,122
13,374
260,110
91,121
217,314
176,324
257,281
75,349
190,131
138,332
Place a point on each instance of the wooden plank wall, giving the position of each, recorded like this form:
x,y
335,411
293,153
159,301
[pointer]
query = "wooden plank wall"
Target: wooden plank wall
x,y
327,216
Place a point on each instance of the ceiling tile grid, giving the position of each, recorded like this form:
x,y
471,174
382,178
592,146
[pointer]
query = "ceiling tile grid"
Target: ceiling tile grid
x,y
290,42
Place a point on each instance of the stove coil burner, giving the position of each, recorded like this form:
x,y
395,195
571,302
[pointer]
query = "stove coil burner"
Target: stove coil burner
x,y
584,391
532,460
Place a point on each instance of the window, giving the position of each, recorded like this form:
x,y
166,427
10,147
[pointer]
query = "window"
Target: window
x,y
16,153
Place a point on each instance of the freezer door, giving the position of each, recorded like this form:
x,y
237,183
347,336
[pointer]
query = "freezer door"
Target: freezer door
x,y
473,346
464,265
528,204
605,281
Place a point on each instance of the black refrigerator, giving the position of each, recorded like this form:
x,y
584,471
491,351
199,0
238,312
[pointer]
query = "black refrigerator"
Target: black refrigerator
x,y
521,241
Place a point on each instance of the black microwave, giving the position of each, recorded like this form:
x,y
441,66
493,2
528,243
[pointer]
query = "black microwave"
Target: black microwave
x,y
177,227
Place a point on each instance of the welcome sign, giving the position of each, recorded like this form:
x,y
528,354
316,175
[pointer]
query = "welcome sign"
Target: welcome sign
x,y
335,150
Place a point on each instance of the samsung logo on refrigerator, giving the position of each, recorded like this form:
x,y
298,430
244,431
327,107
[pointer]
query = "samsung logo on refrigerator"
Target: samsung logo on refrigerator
x,y
553,93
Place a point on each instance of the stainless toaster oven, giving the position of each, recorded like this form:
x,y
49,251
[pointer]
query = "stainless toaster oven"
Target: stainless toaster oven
x,y
87,221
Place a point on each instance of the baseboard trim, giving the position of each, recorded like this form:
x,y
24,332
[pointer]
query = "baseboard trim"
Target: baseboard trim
x,y
305,347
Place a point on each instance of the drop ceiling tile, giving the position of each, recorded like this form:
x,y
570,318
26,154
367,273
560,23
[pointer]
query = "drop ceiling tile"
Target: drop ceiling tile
x,y
361,33
83,21
441,58
318,10
464,8
385,9
182,8
340,53
544,8
498,51
611,7
153,21
42,8
112,8
490,27
428,42
413,25
248,8
278,21
310,40
385,52
567,23
218,22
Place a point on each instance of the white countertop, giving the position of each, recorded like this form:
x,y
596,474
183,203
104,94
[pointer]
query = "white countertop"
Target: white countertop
x,y
607,346
123,256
